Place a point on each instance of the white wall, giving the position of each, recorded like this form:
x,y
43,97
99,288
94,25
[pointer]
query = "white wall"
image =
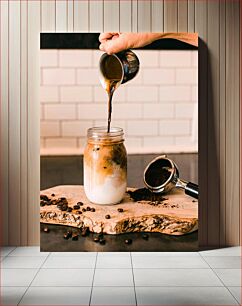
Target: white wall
x,y
157,109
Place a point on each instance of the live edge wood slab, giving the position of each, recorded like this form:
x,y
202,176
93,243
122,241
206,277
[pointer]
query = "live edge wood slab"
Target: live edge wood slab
x,y
177,215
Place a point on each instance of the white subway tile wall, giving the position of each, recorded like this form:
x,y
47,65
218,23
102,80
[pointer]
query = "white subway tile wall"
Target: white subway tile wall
x,y
157,109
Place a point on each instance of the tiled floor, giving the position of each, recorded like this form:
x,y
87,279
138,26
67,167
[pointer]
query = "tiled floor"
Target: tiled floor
x,y
29,277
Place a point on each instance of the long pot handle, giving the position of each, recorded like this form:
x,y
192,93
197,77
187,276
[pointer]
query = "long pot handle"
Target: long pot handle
x,y
191,189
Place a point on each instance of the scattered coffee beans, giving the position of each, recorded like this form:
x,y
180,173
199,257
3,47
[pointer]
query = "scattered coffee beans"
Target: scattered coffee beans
x,y
44,197
85,231
93,209
145,236
53,195
88,208
128,241
102,241
69,209
83,209
66,236
75,237
79,203
42,203
76,206
64,207
107,217
96,239
120,210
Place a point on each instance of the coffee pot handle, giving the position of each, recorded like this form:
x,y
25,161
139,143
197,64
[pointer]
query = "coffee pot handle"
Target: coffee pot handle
x,y
191,189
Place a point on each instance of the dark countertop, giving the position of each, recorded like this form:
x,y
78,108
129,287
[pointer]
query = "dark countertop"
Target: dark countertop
x,y
68,170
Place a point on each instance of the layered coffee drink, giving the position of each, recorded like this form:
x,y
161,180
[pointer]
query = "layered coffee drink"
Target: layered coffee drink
x,y
105,165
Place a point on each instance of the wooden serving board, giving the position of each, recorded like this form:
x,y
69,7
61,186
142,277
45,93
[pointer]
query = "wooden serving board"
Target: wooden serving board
x,y
176,215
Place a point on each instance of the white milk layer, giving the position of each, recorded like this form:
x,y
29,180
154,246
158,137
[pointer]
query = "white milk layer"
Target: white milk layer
x,y
111,191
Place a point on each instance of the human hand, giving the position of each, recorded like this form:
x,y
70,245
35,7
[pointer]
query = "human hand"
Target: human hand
x,y
113,42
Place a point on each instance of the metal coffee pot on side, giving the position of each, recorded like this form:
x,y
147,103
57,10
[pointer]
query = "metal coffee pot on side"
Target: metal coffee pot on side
x,y
161,175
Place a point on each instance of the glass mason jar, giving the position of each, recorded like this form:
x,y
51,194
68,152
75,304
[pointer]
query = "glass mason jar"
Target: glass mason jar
x,y
105,166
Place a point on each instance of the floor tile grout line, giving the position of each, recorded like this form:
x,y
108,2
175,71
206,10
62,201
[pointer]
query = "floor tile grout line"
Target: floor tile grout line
x,y
220,279
239,303
14,248
135,296
33,279
90,298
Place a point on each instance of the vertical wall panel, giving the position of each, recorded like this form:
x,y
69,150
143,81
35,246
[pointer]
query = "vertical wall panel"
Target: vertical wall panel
x,y
4,113
157,14
232,122
48,17
144,15
14,121
70,16
96,16
134,16
222,120
61,15
24,122
111,15
81,15
126,16
170,15
191,16
213,123
201,28
33,122
183,15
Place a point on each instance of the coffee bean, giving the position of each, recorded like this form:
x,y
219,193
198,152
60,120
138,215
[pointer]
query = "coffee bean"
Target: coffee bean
x,y
69,209
76,206
64,207
145,236
88,208
53,195
102,241
53,202
59,205
120,210
79,203
78,212
63,198
42,203
107,217
93,209
66,236
85,231
83,209
48,203
44,197
46,230
75,237
128,241
96,239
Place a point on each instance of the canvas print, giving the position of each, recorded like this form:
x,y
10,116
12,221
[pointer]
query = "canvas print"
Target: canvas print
x,y
119,142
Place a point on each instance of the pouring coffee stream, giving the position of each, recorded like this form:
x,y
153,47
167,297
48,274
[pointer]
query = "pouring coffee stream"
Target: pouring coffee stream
x,y
114,70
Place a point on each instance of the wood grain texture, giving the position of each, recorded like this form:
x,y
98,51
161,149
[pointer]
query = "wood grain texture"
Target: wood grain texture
x,y
48,16
144,15
171,15
125,21
96,16
61,15
182,16
222,122
201,28
81,16
111,15
24,122
14,122
191,16
213,124
4,114
157,16
33,131
232,123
